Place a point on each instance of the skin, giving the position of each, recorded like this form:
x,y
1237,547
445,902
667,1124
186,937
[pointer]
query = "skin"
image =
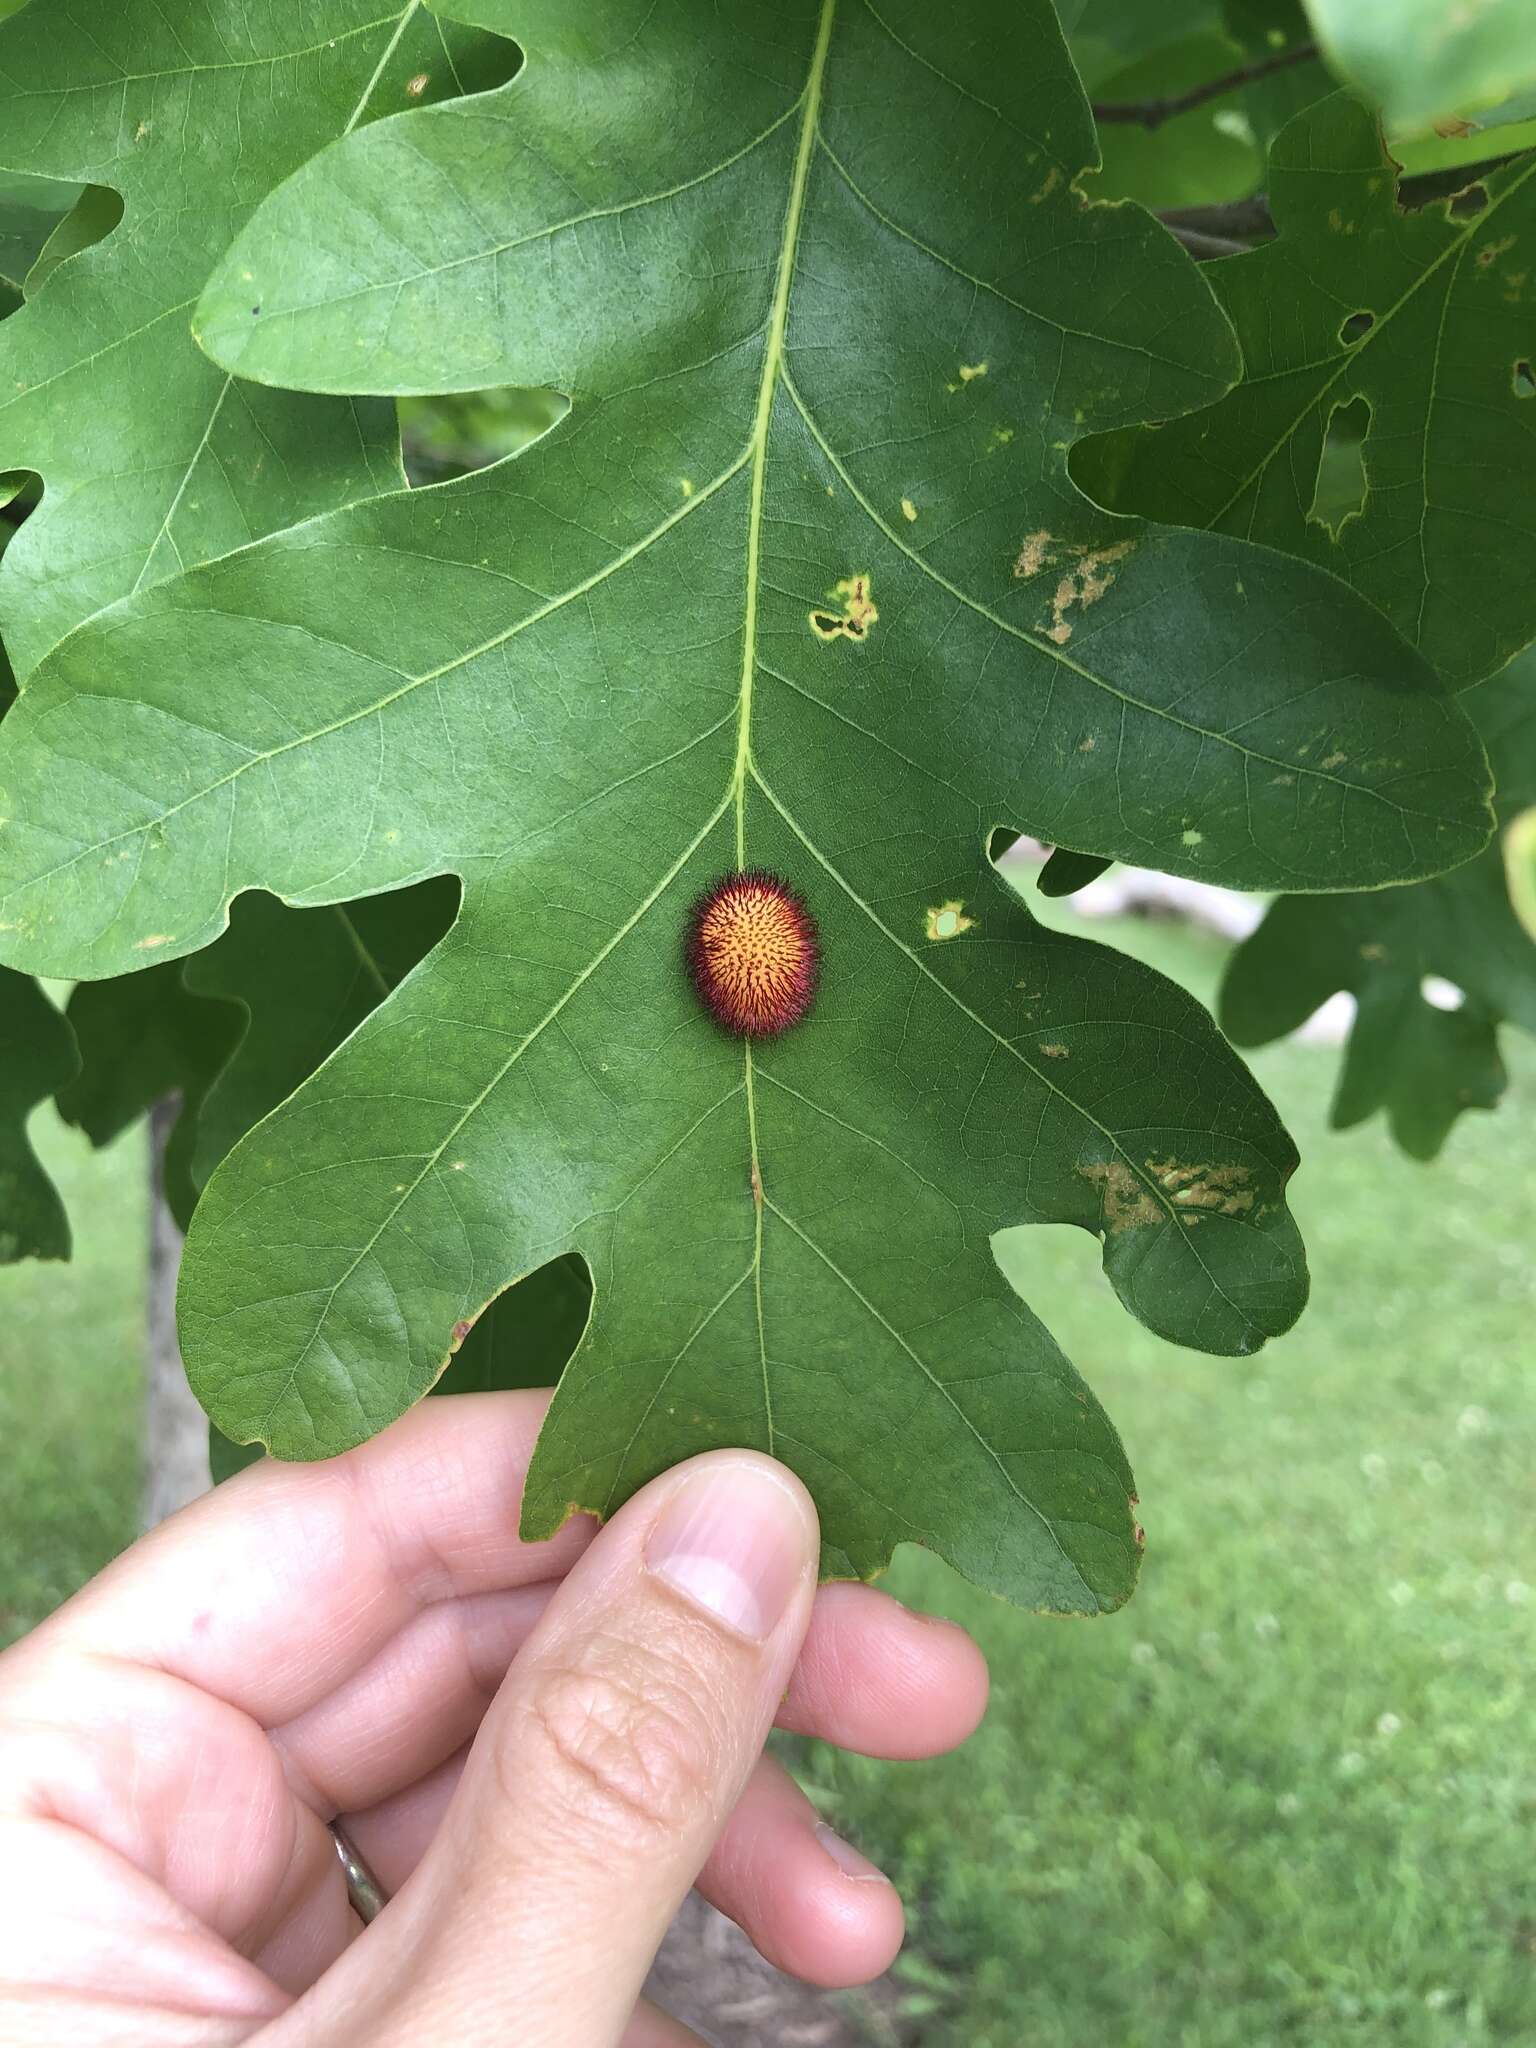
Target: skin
x,y
538,1748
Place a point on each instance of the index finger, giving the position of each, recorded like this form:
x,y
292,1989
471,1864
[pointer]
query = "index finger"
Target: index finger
x,y
273,1589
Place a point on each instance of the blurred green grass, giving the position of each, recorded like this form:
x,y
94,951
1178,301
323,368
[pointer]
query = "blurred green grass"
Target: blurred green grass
x,y
1286,1798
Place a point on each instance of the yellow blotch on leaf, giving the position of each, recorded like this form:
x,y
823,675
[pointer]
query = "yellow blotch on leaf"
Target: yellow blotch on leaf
x,y
947,921
908,509
858,614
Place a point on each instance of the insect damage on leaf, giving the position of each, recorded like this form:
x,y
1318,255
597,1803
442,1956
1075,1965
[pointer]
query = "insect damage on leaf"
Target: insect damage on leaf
x,y
1373,292
753,954
1083,585
947,921
1131,1199
858,613
1128,1201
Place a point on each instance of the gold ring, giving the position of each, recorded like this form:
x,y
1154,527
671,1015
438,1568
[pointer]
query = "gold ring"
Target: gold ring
x,y
368,1896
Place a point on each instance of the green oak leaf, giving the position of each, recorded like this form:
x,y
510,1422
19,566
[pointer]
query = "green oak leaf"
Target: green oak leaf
x,y
30,210
299,982
1265,29
949,474
1421,58
303,980
1423,1063
523,1339
1425,317
1191,159
153,458
37,1056
696,627
143,1037
96,212
1104,36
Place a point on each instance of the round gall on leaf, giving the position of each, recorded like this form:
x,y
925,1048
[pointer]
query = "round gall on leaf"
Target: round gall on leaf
x,y
752,954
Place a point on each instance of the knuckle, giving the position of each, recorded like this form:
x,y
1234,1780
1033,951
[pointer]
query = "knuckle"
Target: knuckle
x,y
629,1750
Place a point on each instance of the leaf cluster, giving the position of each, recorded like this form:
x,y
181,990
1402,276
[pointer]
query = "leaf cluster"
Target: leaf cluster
x,y
877,480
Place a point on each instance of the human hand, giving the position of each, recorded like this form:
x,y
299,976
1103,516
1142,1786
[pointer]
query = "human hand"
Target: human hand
x,y
315,1641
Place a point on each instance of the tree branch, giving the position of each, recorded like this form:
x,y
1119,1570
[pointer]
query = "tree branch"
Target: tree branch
x,y
1240,222
1153,113
1204,247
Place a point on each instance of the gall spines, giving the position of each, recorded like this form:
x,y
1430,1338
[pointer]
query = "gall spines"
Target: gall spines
x,y
753,954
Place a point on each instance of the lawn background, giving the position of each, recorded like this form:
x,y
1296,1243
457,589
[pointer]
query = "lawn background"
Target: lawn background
x,y
1288,1795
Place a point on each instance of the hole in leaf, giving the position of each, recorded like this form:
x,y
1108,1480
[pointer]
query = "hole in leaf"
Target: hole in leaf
x,y
1066,871
1441,994
30,209
21,492
439,60
1342,485
94,215
524,1337
1468,203
1523,381
468,430
1356,327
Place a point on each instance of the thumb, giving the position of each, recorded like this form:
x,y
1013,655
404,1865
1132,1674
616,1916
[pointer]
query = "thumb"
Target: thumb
x,y
618,1744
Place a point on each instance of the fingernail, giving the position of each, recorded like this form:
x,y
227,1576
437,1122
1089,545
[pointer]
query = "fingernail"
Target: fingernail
x,y
733,1540
847,1858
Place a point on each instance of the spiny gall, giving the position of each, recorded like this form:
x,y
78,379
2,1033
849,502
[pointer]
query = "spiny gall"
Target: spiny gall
x,y
752,954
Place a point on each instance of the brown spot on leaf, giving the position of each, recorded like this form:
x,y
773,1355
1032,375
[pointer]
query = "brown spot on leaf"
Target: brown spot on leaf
x,y
1057,1052
1083,585
1034,554
1127,1200
1225,1190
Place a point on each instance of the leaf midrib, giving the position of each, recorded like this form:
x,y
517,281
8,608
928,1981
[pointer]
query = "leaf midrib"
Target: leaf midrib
x,y
773,363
